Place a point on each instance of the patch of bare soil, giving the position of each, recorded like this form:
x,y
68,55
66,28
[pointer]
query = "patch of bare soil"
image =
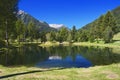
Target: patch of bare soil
x,y
111,75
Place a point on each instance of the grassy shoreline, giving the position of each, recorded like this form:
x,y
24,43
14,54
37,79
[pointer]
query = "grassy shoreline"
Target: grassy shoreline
x,y
97,44
111,45
48,44
108,72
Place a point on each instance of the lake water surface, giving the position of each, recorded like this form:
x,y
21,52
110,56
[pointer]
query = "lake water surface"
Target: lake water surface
x,y
59,56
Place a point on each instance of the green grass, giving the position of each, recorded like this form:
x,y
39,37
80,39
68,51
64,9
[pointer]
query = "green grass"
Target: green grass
x,y
112,45
115,44
47,44
117,36
109,72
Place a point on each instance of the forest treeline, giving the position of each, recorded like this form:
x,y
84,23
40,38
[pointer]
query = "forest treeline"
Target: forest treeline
x,y
13,29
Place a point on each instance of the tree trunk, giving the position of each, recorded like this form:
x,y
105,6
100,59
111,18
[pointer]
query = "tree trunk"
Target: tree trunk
x,y
19,40
7,41
24,40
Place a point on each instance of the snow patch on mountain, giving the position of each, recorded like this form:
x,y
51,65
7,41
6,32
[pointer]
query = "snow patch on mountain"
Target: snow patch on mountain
x,y
21,12
56,26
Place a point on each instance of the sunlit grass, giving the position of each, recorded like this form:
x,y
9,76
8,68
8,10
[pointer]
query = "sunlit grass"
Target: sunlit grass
x,y
93,73
47,44
116,36
97,44
101,44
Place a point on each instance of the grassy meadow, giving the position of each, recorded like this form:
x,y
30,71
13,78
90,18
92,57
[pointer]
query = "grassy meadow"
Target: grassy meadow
x,y
109,72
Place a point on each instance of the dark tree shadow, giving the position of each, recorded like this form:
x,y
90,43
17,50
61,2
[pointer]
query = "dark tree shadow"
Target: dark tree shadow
x,y
115,41
29,72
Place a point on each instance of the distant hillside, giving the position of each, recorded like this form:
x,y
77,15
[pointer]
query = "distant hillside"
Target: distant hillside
x,y
26,18
115,12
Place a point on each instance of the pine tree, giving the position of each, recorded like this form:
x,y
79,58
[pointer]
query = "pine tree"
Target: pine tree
x,y
43,37
82,36
110,25
108,34
19,29
8,16
73,33
69,38
31,30
92,34
63,34
100,27
48,37
53,35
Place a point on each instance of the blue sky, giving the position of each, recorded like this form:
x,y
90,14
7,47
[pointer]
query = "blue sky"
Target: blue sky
x,y
68,12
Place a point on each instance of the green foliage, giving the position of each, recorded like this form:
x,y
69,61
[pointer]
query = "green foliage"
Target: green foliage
x,y
62,34
103,28
116,13
8,18
48,37
73,33
108,35
99,27
43,36
20,28
69,38
110,27
31,30
51,36
82,36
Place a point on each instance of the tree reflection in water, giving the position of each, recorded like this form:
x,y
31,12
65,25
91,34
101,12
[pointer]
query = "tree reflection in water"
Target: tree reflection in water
x,y
59,56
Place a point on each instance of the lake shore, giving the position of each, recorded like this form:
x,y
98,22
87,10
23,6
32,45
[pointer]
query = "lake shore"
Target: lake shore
x,y
106,72
111,45
48,44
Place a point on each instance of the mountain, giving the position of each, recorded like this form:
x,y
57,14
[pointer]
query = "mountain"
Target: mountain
x,y
116,14
57,26
26,18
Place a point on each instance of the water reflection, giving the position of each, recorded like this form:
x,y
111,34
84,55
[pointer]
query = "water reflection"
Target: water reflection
x,y
57,61
62,56
27,56
54,58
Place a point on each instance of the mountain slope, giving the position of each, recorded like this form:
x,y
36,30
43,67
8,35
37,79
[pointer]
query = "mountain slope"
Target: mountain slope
x,y
26,18
115,12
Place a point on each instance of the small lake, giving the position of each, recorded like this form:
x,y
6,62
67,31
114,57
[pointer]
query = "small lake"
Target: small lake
x,y
59,56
